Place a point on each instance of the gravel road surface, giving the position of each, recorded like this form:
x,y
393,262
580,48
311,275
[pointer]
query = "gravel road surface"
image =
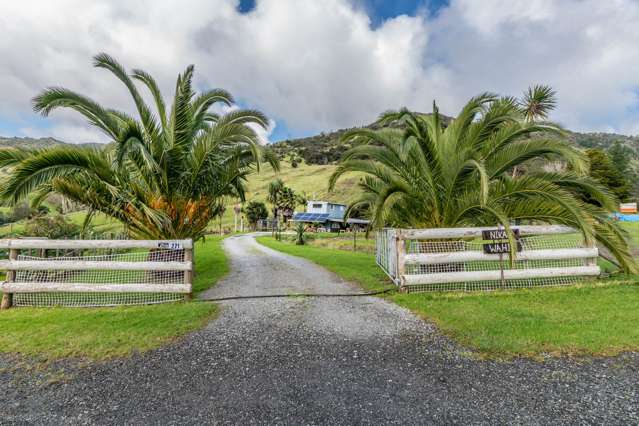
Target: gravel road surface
x,y
322,361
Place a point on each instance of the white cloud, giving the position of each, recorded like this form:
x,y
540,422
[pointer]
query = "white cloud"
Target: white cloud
x,y
319,65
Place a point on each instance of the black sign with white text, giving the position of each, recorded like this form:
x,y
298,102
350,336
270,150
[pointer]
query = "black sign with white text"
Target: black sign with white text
x,y
498,234
499,248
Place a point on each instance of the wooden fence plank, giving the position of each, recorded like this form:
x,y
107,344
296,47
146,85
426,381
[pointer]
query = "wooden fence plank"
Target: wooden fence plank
x,y
92,244
79,265
37,287
441,233
469,256
509,274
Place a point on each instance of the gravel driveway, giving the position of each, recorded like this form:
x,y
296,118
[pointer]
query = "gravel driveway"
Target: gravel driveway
x,y
323,361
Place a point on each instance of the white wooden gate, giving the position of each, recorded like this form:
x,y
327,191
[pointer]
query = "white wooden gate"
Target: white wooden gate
x,y
478,258
95,272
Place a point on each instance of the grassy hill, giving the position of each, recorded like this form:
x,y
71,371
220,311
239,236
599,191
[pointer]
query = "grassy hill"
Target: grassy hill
x,y
320,153
327,148
16,142
30,143
309,179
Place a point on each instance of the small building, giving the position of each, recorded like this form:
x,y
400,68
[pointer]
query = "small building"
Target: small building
x,y
328,216
628,208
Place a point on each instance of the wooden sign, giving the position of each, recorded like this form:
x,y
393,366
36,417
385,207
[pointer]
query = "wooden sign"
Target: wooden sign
x,y
498,234
499,248
170,245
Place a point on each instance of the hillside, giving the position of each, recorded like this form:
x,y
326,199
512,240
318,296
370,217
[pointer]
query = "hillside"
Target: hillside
x,y
310,179
326,148
30,143
16,142
319,154
604,140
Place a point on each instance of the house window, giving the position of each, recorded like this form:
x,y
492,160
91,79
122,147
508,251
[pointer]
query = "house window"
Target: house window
x,y
317,206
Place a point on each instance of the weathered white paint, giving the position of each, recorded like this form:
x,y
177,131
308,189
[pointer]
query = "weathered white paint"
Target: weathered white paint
x,y
509,274
35,287
469,256
81,265
89,244
13,264
441,233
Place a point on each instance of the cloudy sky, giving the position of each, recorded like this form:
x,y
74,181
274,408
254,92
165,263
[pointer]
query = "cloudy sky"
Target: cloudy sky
x,y
316,65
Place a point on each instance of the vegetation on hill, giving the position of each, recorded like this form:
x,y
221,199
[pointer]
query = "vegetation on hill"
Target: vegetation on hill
x,y
167,172
603,169
468,173
328,147
15,142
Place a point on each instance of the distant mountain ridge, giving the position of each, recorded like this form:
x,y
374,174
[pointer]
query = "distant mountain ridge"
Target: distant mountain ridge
x,y
26,142
326,148
29,142
604,140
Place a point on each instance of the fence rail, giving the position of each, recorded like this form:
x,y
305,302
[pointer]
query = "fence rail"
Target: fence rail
x,y
95,272
461,259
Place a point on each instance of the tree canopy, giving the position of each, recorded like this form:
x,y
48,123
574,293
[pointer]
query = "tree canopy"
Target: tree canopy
x,y
254,211
603,170
428,175
165,172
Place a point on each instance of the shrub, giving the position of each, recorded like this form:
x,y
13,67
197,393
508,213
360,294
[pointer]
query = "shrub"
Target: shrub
x,y
300,234
53,227
254,211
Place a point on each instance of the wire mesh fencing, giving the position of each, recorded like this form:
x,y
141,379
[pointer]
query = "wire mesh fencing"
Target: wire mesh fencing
x,y
386,252
97,273
462,260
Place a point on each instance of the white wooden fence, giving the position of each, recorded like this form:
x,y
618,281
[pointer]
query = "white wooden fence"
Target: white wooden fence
x,y
104,272
463,259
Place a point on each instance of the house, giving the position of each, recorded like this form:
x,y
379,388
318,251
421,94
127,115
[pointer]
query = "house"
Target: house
x,y
329,216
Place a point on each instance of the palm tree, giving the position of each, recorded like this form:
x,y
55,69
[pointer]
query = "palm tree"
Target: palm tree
x,y
426,175
163,175
537,102
289,200
274,196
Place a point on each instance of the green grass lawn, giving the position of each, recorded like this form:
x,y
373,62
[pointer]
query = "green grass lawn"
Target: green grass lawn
x,y
211,263
100,333
598,318
594,319
342,241
100,223
97,333
633,232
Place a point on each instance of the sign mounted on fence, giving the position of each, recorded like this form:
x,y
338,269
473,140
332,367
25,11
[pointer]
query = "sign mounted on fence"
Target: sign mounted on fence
x,y
170,245
498,248
498,234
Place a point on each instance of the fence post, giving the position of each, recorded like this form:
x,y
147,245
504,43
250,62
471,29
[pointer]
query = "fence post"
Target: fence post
x,y
592,261
400,242
188,275
7,298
